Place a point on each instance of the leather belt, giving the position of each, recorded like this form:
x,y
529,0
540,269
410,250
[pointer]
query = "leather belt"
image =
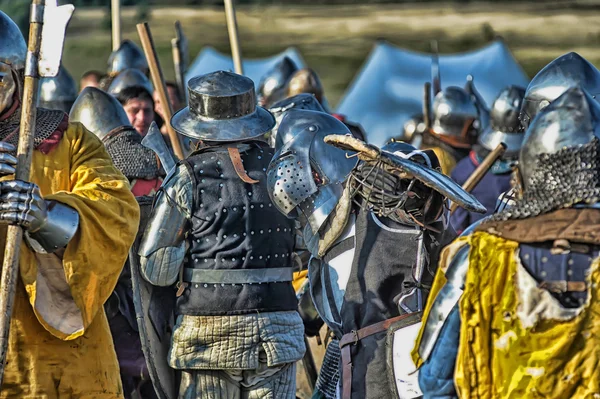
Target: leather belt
x,y
352,338
237,276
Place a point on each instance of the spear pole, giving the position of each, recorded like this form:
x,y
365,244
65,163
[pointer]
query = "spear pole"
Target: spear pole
x,y
115,10
232,27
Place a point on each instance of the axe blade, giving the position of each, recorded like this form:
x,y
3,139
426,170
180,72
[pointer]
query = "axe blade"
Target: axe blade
x,y
54,29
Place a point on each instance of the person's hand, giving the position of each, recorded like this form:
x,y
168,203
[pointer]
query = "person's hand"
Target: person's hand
x,y
8,162
22,204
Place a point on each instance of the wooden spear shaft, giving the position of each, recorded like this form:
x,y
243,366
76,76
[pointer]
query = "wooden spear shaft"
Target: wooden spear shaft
x,y
481,170
232,28
115,10
159,85
14,235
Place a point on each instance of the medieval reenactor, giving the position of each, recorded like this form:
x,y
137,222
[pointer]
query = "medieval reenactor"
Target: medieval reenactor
x,y
79,219
127,56
456,123
273,84
227,249
102,115
58,92
280,108
134,91
437,351
504,127
526,277
371,233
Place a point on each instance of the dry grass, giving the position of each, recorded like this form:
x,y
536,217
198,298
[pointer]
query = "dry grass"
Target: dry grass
x,y
335,40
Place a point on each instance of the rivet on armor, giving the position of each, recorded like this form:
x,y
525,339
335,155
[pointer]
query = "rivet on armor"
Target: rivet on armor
x,y
269,230
526,256
233,259
244,208
262,206
218,162
220,199
202,190
312,128
205,285
244,234
221,185
262,231
201,171
249,194
215,285
252,232
224,210
276,255
543,273
251,206
196,286
205,260
224,235
221,175
235,235
260,257
544,259
201,205
278,229
571,262
243,258
259,157
252,258
203,180
222,285
234,209
570,272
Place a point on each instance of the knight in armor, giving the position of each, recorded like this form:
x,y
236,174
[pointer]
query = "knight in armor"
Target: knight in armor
x,y
371,233
127,56
457,122
134,91
79,219
513,293
58,92
102,115
227,250
272,86
504,127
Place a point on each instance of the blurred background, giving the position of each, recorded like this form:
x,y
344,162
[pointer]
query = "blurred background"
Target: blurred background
x,y
335,36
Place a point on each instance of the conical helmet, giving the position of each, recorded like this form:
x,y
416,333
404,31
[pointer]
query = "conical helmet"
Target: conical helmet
x,y
129,78
554,79
455,117
128,55
99,112
305,81
505,126
58,92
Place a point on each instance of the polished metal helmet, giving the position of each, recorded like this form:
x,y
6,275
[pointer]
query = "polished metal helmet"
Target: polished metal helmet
x,y
554,79
58,92
279,109
559,162
305,81
127,56
272,86
13,50
505,126
455,117
305,176
412,128
99,112
222,107
130,78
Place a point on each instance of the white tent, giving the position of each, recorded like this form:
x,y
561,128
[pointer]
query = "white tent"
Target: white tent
x,y
389,88
210,60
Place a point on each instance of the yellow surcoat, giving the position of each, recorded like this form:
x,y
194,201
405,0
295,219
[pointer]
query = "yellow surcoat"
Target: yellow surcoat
x,y
60,344
516,340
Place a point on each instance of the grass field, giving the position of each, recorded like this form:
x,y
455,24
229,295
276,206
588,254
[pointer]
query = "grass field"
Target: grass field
x,y
335,40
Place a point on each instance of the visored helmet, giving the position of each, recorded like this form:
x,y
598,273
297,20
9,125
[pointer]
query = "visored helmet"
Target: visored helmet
x,y
127,56
58,92
271,87
505,126
554,79
99,112
279,109
13,50
305,175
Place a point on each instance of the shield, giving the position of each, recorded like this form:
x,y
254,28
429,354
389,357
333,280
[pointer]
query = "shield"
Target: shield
x,y
210,60
154,313
402,372
389,88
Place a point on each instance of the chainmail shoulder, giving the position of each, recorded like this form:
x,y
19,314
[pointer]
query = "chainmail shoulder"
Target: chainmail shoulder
x,y
560,180
47,121
129,156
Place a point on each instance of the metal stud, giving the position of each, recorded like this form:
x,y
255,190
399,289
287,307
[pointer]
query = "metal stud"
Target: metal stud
x,y
262,206
262,231
196,286
249,194
571,262
235,235
221,175
234,209
205,285
260,257
544,259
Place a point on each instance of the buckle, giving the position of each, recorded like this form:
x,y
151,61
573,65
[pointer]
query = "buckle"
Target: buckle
x,y
356,339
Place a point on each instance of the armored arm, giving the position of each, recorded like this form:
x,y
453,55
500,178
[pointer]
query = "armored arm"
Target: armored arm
x,y
163,244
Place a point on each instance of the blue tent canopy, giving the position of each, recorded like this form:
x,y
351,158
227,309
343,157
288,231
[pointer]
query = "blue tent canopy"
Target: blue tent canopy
x,y
388,90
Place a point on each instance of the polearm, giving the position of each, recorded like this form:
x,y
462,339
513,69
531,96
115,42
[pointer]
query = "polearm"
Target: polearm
x,y
179,46
158,82
481,170
44,49
115,11
436,80
232,28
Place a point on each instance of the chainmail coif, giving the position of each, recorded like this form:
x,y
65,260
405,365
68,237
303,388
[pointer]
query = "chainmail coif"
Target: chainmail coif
x,y
47,122
560,180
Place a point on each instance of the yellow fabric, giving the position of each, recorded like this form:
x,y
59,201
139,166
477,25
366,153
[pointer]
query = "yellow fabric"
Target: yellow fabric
x,y
447,161
516,341
46,359
438,282
298,279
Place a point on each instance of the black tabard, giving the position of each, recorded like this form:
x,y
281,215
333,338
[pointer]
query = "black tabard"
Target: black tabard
x,y
235,226
384,258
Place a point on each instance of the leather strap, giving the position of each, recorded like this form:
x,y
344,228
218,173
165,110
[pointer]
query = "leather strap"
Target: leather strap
x,y
236,159
352,338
